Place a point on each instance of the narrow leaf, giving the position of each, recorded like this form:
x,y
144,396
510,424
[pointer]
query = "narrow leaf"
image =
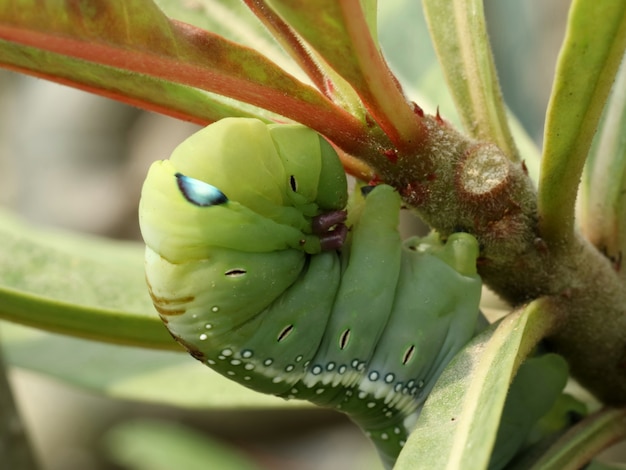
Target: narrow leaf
x,y
135,37
460,418
130,373
323,76
585,440
535,389
460,36
161,445
146,92
602,206
233,21
77,285
589,59
340,33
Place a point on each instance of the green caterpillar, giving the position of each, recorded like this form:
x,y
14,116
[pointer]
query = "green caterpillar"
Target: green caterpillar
x,y
250,269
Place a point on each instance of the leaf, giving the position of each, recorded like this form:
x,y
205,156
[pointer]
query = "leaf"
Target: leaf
x,y
233,21
585,440
589,59
534,390
602,207
165,377
460,418
78,285
595,465
323,76
340,30
137,44
460,37
160,445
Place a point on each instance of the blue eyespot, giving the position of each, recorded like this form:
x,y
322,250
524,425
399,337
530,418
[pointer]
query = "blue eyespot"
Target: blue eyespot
x,y
365,190
200,193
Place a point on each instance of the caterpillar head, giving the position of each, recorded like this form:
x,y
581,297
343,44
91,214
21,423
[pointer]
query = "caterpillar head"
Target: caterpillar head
x,y
242,184
265,167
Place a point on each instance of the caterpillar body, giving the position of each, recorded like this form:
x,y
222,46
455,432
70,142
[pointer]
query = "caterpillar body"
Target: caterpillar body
x,y
250,269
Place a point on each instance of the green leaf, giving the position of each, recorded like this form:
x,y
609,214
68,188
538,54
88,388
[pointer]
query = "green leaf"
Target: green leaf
x,y
460,37
233,21
602,207
341,30
589,59
460,418
595,465
585,440
165,377
318,71
160,445
534,390
77,285
402,29
118,47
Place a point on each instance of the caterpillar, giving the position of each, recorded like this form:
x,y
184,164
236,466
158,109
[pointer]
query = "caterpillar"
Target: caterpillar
x,y
257,270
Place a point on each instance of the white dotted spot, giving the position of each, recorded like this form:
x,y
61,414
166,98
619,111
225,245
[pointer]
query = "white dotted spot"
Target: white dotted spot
x,y
294,390
371,404
268,362
402,443
389,414
227,352
247,377
246,354
215,309
230,372
277,380
235,362
330,366
410,383
208,326
289,368
342,369
397,387
319,391
317,370
249,366
361,367
203,337
389,378
299,358
211,361
362,395
384,436
194,316
373,376
420,384
396,430
220,357
355,363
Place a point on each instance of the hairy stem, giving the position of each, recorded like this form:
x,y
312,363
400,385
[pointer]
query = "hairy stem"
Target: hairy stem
x,y
459,184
